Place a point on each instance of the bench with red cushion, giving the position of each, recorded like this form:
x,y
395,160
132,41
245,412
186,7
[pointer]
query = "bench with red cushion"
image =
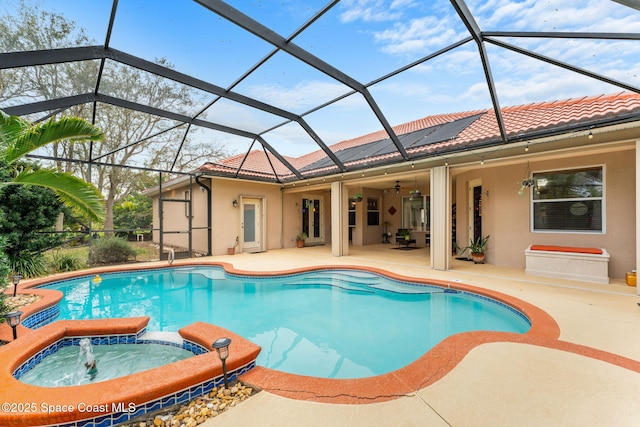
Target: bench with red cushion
x,y
568,262
596,251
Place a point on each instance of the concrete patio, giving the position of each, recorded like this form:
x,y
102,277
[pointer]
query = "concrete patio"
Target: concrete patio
x,y
496,384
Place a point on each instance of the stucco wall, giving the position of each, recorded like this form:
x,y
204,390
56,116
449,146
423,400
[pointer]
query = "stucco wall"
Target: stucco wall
x,y
227,219
292,215
506,215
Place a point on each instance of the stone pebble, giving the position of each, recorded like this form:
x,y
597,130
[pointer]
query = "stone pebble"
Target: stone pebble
x,y
197,411
20,300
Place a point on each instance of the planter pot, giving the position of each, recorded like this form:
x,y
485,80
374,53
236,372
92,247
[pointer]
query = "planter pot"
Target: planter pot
x,y
357,199
300,243
478,258
231,251
631,278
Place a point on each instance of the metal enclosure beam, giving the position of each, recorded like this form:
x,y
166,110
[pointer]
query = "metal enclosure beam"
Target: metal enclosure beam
x,y
474,29
257,29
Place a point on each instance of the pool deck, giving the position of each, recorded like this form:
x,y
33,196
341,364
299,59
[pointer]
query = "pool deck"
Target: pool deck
x,y
591,376
582,367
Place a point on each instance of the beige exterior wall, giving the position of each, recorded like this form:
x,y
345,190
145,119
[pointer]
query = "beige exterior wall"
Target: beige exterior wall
x,y
292,215
506,215
226,219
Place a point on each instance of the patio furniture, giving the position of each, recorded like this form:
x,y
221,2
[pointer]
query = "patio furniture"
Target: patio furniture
x,y
565,262
401,237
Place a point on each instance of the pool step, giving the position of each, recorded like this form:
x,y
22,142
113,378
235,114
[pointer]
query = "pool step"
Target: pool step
x,y
162,336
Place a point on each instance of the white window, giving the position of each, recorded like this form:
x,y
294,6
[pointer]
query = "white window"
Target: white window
x,y
568,200
373,211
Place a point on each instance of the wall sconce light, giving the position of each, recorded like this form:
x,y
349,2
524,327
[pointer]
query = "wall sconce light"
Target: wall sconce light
x,y
222,347
16,279
235,203
13,318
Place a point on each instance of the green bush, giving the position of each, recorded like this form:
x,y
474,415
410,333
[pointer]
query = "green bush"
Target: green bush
x,y
4,274
28,264
111,250
61,262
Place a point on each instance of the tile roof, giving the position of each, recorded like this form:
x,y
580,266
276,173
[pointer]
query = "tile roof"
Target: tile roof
x,y
520,121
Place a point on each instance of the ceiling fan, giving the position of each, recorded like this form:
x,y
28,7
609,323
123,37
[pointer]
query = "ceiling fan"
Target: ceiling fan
x,y
397,188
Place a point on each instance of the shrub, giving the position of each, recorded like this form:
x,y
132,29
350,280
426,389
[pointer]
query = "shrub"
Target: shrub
x,y
4,273
61,262
28,264
111,250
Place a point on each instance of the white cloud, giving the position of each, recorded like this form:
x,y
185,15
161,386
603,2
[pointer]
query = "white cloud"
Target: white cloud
x,y
301,96
372,10
417,35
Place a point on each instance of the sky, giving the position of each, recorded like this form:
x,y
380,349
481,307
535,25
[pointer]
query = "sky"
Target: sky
x,y
366,39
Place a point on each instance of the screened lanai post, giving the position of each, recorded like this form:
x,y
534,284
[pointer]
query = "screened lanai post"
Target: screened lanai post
x,y
339,220
209,214
440,218
637,210
190,217
90,169
160,217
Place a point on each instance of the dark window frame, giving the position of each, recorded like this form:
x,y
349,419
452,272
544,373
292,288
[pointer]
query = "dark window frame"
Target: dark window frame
x,y
569,201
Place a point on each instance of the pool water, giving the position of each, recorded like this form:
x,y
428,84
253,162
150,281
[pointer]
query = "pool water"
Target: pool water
x,y
326,323
63,368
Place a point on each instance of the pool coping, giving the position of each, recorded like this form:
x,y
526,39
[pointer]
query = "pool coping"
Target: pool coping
x,y
425,371
117,400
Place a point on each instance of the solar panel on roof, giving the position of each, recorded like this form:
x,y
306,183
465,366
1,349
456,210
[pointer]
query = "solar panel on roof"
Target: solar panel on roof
x,y
419,138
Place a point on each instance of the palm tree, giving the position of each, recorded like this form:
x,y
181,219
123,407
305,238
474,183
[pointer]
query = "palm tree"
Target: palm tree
x,y
18,137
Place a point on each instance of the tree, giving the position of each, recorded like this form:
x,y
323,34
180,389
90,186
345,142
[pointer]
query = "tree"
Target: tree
x,y
29,212
128,130
135,211
18,137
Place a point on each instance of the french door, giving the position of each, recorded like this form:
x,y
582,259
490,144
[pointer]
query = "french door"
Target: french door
x,y
312,223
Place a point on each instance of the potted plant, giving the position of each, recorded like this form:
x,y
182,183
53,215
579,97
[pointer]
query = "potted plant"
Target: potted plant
x,y
476,248
415,194
358,197
404,233
385,234
232,250
301,238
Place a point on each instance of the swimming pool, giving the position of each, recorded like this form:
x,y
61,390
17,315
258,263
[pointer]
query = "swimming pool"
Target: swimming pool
x,y
325,323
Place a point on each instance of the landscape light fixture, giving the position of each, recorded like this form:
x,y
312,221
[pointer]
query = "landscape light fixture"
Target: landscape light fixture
x,y
16,279
222,347
13,318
